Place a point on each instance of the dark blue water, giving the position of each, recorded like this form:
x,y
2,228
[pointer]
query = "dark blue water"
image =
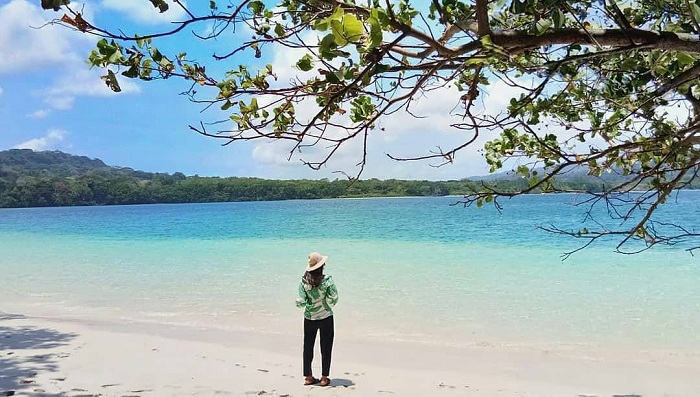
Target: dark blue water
x,y
405,219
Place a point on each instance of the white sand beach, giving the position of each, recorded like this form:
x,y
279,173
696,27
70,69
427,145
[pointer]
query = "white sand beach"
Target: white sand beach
x,y
52,356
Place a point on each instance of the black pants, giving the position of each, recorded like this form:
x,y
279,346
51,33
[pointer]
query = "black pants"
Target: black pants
x,y
311,328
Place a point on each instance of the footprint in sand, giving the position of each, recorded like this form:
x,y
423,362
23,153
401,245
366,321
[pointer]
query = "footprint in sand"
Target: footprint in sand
x,y
258,393
626,395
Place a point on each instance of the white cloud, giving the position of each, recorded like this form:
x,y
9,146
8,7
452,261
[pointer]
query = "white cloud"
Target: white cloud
x,y
143,11
50,141
39,114
1,91
82,82
275,152
23,45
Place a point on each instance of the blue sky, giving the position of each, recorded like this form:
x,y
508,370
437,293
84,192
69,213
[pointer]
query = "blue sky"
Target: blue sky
x,y
51,100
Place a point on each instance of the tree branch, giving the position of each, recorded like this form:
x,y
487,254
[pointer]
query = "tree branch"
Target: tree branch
x,y
482,17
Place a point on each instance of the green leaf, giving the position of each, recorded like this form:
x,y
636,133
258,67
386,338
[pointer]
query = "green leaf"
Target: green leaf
x,y
212,5
518,6
256,6
347,30
321,24
695,10
157,56
161,5
53,4
279,30
115,57
375,34
338,36
132,72
685,58
337,14
381,16
523,170
305,63
111,80
362,108
559,18
328,49
102,43
353,28
380,68
542,25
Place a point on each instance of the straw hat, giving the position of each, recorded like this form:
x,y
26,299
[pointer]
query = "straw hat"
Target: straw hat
x,y
316,260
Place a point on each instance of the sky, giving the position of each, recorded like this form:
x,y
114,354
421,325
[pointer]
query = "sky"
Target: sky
x,y
51,100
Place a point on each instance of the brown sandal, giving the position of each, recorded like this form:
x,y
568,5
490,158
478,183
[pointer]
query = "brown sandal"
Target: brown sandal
x,y
310,380
324,381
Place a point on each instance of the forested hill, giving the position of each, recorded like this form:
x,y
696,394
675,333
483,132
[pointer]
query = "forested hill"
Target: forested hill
x,y
17,163
42,179
27,162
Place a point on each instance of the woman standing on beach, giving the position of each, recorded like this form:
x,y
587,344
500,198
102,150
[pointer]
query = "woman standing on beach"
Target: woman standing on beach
x,y
317,295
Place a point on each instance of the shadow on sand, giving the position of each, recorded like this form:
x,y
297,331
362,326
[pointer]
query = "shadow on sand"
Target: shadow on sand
x,y
338,382
18,364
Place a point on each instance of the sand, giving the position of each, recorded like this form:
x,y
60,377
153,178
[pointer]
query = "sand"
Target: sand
x,y
44,356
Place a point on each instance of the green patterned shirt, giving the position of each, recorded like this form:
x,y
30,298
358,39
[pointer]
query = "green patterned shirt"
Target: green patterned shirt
x,y
317,301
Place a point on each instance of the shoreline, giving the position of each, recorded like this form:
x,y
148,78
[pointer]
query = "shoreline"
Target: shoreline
x,y
564,193
64,356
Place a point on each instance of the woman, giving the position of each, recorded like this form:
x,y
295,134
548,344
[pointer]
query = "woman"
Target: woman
x,y
317,295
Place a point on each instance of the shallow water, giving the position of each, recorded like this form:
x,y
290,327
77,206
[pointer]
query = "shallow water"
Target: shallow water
x,y
417,269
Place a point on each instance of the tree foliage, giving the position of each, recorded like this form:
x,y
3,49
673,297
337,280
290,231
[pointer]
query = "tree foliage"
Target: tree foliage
x,y
607,86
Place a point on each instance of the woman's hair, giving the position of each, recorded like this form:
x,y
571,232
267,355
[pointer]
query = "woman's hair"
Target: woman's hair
x,y
314,277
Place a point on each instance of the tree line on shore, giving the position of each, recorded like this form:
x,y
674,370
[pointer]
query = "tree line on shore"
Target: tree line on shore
x,y
45,179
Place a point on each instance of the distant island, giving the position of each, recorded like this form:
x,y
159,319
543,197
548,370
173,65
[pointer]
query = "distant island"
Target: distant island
x,y
54,178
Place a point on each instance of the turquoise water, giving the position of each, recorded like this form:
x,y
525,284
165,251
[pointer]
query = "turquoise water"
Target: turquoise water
x,y
414,269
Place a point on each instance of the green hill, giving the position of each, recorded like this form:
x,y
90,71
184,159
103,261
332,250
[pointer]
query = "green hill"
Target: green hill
x,y
53,178
22,162
40,179
16,163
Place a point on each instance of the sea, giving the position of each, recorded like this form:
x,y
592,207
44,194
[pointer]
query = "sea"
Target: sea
x,y
423,270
